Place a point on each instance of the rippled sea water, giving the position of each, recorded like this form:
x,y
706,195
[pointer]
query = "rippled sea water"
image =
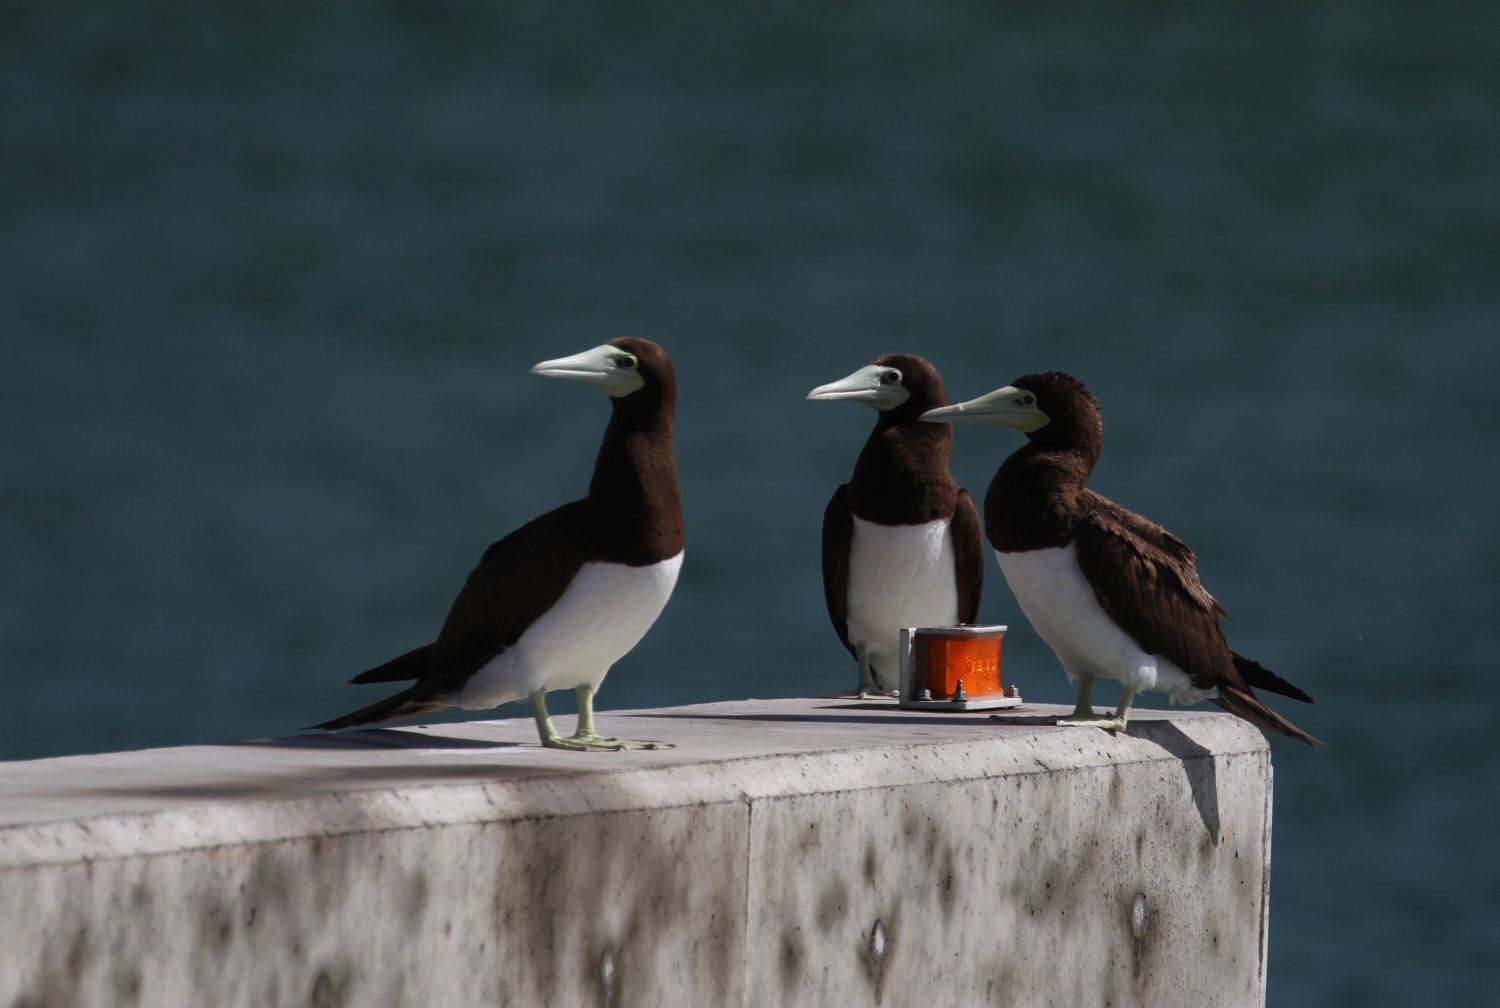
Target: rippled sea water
x,y
272,279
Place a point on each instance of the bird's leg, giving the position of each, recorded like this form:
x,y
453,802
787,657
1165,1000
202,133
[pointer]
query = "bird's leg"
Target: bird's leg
x,y
868,688
1083,711
880,687
1122,712
585,727
585,738
579,741
543,721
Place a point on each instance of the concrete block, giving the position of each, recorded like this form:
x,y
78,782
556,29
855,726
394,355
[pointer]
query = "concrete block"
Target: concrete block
x,y
789,852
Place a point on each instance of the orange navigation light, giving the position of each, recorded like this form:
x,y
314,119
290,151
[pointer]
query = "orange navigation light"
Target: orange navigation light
x,y
954,668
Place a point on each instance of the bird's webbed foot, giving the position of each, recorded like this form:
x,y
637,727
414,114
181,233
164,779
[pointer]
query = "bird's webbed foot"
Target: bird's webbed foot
x,y
1083,715
593,742
585,739
1090,719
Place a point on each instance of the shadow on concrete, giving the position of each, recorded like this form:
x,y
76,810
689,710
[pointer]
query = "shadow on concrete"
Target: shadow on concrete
x,y
888,705
1015,716
259,781
375,738
308,781
1025,720
894,718
1197,763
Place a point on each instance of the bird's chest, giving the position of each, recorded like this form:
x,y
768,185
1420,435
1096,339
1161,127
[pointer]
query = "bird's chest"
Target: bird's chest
x,y
900,575
1060,603
605,611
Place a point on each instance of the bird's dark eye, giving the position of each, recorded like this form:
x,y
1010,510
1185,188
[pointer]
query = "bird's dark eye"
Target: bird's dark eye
x,y
625,361
1028,399
890,378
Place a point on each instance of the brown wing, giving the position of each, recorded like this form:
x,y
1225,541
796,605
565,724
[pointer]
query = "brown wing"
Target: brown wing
x,y
1146,579
968,557
517,580
411,665
838,534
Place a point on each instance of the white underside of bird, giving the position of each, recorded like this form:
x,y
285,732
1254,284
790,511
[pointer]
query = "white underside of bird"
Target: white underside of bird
x,y
605,611
899,576
1063,610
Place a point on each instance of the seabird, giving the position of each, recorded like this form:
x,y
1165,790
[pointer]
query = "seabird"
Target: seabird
x,y
901,540
1112,593
562,598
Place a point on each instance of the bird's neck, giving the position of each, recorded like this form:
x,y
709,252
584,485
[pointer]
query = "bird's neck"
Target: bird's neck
x,y
1038,495
634,496
901,475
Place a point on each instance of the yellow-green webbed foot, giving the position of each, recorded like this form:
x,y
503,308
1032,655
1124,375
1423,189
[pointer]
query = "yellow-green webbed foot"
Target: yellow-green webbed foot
x,y
1086,719
598,743
1109,722
1084,715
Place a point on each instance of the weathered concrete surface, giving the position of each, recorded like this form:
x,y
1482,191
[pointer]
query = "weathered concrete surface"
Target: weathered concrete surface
x,y
789,852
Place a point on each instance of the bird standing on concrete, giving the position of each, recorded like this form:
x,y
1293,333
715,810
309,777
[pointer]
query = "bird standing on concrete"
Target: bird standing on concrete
x,y
562,598
901,541
1111,592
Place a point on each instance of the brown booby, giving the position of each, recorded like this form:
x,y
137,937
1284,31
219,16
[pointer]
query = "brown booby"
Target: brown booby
x,y
901,540
562,598
1112,593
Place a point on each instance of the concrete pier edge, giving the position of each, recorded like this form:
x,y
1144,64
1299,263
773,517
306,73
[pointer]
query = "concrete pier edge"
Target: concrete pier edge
x,y
786,852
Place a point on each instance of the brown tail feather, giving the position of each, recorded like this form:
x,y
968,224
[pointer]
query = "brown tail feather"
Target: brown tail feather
x,y
403,705
1246,705
1257,675
408,666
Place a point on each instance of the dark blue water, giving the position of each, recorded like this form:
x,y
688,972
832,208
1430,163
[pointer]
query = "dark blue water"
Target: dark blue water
x,y
271,279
